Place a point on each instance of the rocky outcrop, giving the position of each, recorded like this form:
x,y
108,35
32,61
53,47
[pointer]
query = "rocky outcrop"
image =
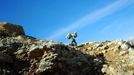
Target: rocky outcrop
x,y
43,57
119,56
25,55
8,29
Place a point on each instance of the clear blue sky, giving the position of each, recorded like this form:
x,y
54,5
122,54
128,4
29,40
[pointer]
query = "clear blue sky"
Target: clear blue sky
x,y
94,20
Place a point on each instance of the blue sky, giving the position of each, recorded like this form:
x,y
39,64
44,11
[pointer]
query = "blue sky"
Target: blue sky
x,y
94,20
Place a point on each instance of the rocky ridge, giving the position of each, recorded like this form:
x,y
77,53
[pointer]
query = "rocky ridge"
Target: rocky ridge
x,y
24,55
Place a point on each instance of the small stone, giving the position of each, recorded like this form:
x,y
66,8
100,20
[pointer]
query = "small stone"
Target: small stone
x,y
131,50
20,51
98,45
89,48
123,53
125,46
104,68
120,42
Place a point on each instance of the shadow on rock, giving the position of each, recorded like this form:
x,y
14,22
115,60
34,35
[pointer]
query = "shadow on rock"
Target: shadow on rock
x,y
70,61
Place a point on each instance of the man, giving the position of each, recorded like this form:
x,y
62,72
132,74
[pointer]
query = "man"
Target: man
x,y
73,42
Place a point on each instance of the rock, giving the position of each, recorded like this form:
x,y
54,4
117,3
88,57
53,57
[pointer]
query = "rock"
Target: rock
x,y
131,50
35,51
8,29
20,51
104,47
4,33
26,55
125,46
131,43
46,62
104,51
123,52
104,69
121,42
5,58
98,45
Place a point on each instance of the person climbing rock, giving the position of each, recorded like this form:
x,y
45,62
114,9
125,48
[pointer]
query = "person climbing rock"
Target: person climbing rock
x,y
73,38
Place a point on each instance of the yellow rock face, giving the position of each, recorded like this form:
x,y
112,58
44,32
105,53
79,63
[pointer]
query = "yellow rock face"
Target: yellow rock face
x,y
12,28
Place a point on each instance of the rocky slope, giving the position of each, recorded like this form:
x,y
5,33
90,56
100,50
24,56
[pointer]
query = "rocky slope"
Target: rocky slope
x,y
24,55
118,55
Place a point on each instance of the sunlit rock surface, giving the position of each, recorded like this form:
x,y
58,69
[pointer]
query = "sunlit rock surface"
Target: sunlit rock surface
x,y
25,55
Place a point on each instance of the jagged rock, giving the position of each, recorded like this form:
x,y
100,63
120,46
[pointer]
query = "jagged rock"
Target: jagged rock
x,y
46,62
31,56
48,57
8,29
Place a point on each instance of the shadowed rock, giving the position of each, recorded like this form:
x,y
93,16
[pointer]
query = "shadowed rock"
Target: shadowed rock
x,y
8,29
4,58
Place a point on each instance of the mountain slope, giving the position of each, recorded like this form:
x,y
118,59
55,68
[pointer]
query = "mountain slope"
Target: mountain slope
x,y
24,55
